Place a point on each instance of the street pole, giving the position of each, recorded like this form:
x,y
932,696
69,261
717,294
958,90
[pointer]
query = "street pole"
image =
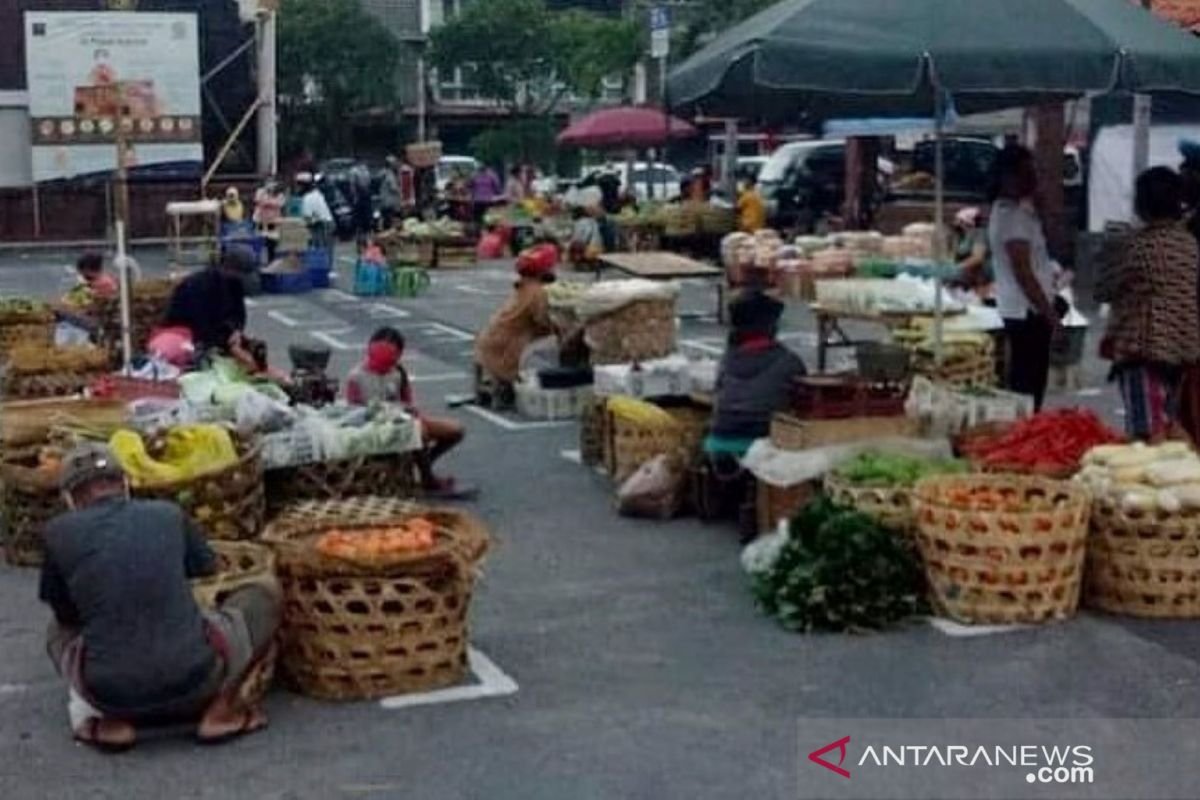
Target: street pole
x,y
121,193
422,109
268,149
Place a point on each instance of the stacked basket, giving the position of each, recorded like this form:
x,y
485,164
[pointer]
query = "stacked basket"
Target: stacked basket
x,y
1144,563
148,302
386,475
37,370
639,331
1002,549
355,630
24,322
228,503
890,506
31,499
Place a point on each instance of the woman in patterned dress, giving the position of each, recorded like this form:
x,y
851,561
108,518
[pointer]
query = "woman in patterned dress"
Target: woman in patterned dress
x,y
1154,329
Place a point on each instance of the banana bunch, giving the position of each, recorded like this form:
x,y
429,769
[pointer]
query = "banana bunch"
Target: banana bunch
x,y
641,413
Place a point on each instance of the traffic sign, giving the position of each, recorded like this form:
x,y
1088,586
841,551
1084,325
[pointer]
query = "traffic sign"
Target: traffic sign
x,y
660,31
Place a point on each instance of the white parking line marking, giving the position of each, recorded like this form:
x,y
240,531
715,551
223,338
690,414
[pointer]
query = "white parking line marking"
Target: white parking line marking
x,y
13,688
509,425
438,376
384,311
251,302
331,338
493,682
958,630
462,287
702,346
282,319
338,294
453,333
574,456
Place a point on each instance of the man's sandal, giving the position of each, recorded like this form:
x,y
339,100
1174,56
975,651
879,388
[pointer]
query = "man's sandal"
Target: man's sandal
x,y
90,733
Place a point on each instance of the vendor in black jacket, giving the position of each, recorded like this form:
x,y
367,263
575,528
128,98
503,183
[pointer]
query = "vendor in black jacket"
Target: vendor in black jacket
x,y
211,303
755,377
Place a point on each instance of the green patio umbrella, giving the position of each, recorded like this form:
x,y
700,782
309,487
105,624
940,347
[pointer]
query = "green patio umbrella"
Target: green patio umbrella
x,y
847,58
814,60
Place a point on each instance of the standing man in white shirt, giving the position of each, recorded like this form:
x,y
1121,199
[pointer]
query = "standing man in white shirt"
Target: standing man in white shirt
x,y
315,210
1024,273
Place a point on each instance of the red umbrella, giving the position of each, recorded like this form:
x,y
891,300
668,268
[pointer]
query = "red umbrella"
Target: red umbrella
x,y
626,126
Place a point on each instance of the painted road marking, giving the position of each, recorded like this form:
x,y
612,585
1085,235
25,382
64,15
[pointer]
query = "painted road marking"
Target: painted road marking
x,y
509,425
282,319
331,338
251,302
492,682
438,376
462,287
450,332
13,688
703,346
338,294
384,311
574,456
958,630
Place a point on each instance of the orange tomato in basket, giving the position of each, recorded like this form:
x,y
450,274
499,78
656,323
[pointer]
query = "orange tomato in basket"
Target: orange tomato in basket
x,y
411,536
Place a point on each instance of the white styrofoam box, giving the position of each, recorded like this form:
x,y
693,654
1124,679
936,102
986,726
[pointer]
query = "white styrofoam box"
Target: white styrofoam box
x,y
662,377
703,374
535,402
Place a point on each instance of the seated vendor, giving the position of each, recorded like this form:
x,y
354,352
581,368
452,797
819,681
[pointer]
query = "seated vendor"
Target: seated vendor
x,y
587,239
90,267
754,378
381,378
971,253
127,635
524,318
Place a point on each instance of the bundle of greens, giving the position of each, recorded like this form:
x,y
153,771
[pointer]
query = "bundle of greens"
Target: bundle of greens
x,y
894,469
840,571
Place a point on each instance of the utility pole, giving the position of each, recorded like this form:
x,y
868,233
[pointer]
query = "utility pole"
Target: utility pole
x,y
267,121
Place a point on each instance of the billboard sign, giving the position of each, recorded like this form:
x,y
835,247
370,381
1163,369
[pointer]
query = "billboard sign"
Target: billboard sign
x,y
89,72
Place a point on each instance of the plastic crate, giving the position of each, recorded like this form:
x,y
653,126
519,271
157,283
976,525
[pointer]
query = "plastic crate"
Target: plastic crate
x,y
318,262
535,402
372,280
286,282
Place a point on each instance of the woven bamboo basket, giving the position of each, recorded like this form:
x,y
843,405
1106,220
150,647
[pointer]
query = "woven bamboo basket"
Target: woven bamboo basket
x,y
45,385
631,444
31,499
39,334
791,433
975,370
147,308
355,631
1143,564
33,314
890,506
239,564
227,504
1019,560
391,475
640,331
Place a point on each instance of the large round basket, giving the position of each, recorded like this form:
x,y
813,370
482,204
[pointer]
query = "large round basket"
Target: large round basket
x,y
47,384
890,506
391,475
1002,549
228,503
31,499
242,564
640,331
1145,564
631,444
39,333
239,564
355,631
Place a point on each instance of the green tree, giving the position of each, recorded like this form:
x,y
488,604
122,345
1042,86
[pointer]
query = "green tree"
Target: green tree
x,y
335,59
526,57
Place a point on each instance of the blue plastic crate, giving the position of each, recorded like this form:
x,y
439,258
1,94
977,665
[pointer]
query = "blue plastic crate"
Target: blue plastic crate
x,y
287,282
372,280
318,262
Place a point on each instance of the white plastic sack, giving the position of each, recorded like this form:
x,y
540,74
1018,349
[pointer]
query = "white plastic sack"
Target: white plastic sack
x,y
760,556
257,412
652,491
609,296
67,335
784,468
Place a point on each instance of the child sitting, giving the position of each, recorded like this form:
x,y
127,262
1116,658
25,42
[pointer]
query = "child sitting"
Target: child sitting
x,y
90,267
381,378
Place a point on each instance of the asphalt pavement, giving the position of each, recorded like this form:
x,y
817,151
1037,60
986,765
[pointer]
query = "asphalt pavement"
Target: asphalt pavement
x,y
624,658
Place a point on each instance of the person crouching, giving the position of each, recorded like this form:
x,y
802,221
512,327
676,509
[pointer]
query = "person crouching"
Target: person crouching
x,y
127,634
380,378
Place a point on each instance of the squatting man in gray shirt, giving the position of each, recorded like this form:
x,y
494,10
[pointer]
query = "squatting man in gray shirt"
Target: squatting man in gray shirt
x,y
127,635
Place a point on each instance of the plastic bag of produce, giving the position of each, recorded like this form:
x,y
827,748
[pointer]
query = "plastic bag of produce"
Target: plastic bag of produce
x,y
189,450
173,345
257,412
759,557
655,490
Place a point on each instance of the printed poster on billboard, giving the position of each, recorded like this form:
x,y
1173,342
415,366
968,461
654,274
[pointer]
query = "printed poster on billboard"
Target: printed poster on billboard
x,y
89,72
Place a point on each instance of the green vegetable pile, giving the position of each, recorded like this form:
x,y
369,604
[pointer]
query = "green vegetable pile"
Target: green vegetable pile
x,y
840,571
892,470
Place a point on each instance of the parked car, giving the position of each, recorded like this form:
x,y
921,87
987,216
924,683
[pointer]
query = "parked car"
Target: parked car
x,y
448,165
648,180
801,181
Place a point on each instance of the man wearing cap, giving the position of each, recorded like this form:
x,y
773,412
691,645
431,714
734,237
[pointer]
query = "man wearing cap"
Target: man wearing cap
x,y
127,635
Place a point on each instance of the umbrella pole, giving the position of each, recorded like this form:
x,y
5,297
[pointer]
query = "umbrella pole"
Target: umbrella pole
x,y
939,221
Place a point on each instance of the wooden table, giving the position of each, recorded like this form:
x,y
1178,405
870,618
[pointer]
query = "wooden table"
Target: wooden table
x,y
665,266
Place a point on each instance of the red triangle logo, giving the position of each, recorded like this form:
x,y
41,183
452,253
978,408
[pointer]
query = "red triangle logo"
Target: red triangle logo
x,y
840,746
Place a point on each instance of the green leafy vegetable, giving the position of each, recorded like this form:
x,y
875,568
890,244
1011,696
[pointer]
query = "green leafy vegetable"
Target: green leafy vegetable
x,y
893,469
840,571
